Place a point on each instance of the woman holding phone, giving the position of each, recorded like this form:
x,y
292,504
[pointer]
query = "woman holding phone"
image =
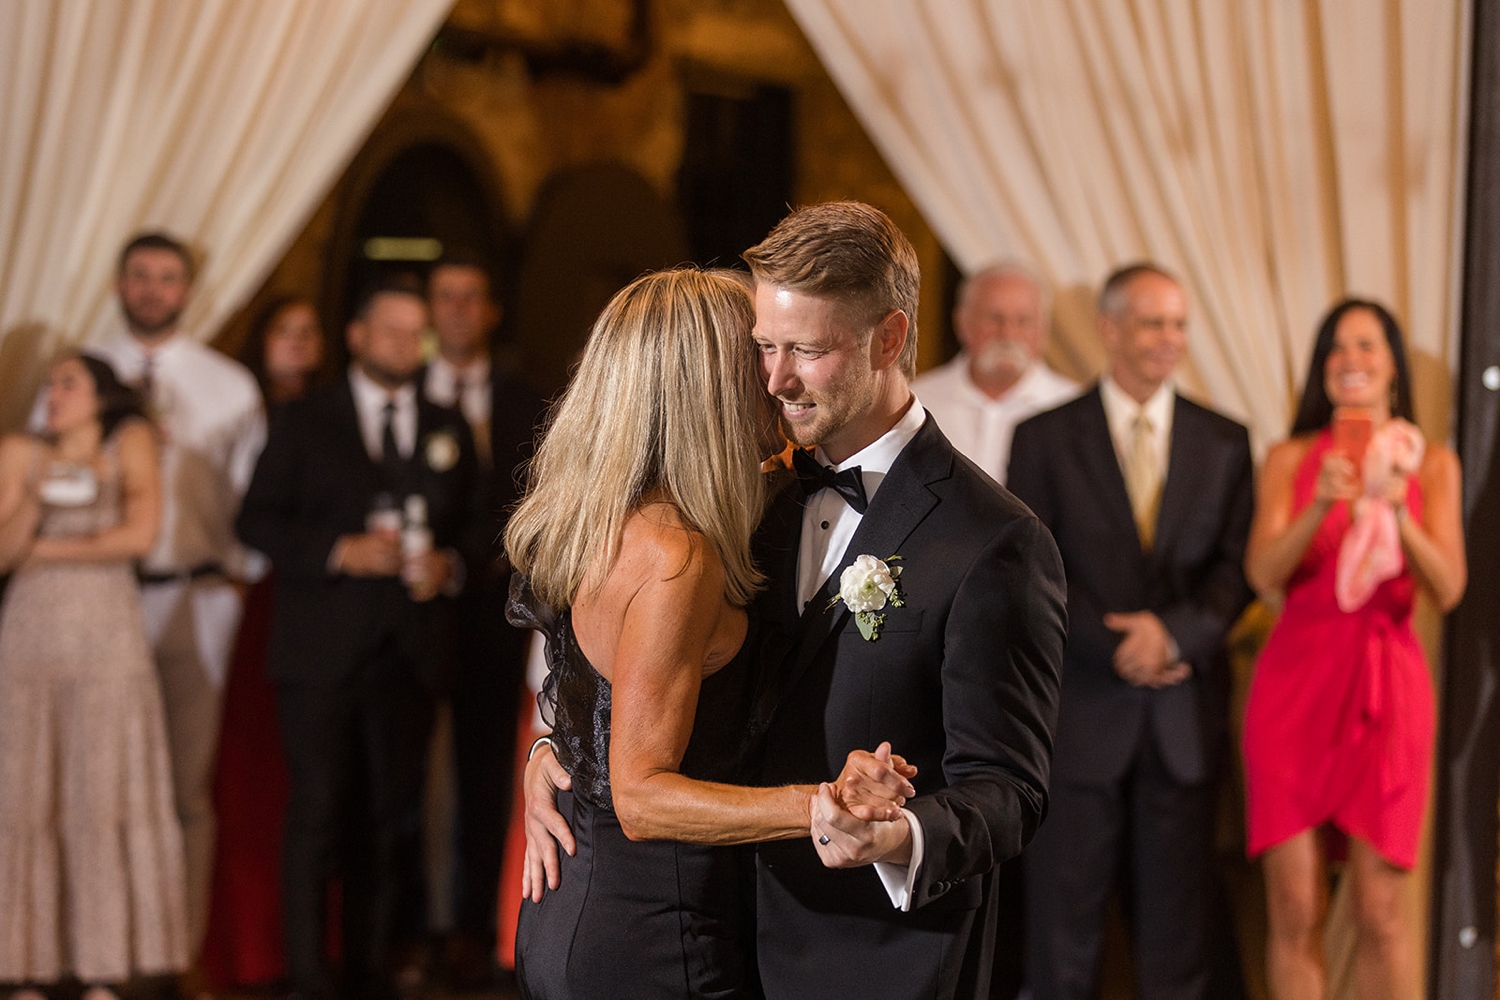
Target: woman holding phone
x,y
1354,514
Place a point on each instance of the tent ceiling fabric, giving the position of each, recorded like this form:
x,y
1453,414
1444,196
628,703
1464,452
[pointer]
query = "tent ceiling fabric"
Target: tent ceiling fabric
x,y
1278,156
223,122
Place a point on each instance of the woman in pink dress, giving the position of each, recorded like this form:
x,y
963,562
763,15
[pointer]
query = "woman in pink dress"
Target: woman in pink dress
x,y
1339,726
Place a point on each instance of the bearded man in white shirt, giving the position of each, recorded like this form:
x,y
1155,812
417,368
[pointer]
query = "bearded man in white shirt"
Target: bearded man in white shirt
x,y
998,379
213,425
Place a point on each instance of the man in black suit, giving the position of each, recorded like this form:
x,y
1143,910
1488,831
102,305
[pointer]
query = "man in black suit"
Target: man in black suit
x,y
1149,498
362,621
503,413
959,671
961,676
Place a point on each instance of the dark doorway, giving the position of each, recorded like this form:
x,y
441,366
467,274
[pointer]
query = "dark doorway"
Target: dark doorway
x,y
735,182
428,200
595,229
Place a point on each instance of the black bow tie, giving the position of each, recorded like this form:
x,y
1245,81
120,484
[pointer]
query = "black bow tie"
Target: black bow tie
x,y
849,484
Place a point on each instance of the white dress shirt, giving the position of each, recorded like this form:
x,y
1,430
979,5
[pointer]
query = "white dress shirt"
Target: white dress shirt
x,y
210,411
1120,411
370,399
981,427
442,380
828,524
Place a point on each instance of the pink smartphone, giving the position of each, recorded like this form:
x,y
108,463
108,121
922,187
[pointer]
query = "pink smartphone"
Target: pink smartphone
x,y
1352,427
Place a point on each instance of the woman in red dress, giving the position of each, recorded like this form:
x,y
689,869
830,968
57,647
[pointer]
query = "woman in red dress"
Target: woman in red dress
x,y
1340,722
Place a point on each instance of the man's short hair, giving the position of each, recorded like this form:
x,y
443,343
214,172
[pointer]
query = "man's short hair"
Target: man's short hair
x,y
469,260
1112,295
849,251
393,283
156,240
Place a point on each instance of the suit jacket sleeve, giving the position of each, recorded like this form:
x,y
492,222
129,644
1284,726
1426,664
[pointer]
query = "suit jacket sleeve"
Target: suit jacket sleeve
x,y
1089,642
271,518
1204,617
1001,673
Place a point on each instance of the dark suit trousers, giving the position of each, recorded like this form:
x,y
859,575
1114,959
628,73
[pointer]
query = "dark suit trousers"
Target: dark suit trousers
x,y
353,754
486,707
1164,832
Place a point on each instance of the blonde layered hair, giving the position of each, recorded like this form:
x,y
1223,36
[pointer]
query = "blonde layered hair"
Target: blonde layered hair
x,y
667,405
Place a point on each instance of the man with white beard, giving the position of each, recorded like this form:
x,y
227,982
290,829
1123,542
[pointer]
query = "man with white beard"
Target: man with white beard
x,y
998,379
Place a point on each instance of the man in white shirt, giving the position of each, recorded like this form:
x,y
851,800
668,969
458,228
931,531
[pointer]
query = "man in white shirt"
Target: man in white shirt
x,y
999,378
213,427
1148,496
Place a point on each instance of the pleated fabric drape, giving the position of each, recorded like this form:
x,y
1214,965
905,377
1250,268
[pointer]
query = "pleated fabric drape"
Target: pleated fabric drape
x,y
223,121
1277,155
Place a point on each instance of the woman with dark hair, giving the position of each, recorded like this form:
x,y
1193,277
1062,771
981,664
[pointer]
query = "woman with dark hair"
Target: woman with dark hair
x,y
91,865
286,349
1354,514
287,353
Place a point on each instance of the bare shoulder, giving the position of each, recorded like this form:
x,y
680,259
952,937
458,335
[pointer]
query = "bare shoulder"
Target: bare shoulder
x,y
658,547
1289,454
17,448
136,440
1282,461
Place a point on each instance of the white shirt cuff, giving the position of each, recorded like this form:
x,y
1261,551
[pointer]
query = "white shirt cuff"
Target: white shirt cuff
x,y
899,880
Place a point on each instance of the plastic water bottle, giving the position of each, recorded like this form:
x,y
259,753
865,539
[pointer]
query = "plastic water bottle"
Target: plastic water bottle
x,y
416,541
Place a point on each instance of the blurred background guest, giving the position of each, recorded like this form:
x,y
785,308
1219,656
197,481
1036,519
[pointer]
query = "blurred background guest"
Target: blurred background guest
x,y
286,351
999,378
1353,517
475,729
192,581
93,883
361,499
1148,495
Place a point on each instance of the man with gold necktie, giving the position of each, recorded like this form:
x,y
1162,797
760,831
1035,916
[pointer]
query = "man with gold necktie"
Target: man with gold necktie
x,y
1149,497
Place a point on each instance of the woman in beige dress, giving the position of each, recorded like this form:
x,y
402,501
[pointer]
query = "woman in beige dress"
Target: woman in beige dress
x,y
91,870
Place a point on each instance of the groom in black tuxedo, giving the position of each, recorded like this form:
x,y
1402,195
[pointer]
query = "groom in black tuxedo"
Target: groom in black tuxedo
x,y
961,676
959,669
1149,497
360,629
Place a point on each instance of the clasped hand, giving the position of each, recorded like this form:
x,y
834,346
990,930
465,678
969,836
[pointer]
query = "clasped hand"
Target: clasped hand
x,y
857,819
1143,656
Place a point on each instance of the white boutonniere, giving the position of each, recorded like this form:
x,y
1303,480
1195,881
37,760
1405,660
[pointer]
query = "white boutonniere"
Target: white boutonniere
x,y
441,451
868,586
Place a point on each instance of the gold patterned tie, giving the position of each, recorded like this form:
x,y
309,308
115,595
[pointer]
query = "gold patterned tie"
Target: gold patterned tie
x,y
1142,480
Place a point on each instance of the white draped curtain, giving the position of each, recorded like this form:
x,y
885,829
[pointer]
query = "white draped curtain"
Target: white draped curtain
x,y
1277,155
222,121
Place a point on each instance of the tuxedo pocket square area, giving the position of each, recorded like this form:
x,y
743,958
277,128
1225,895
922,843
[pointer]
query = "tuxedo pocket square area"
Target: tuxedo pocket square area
x,y
896,620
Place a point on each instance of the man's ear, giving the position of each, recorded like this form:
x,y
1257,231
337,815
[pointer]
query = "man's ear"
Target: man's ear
x,y
888,339
1108,331
354,336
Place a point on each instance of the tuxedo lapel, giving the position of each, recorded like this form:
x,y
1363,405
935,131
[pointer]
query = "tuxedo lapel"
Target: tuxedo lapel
x,y
352,438
899,505
1182,479
1103,466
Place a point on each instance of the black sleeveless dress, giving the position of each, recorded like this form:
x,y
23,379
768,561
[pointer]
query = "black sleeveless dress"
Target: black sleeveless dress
x,y
654,919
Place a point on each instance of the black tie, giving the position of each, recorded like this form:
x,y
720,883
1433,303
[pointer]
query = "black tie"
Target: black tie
x,y
147,385
391,465
849,484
